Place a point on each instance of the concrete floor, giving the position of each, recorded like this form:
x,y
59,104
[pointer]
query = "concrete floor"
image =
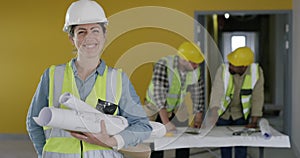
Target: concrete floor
x,y
252,153
23,149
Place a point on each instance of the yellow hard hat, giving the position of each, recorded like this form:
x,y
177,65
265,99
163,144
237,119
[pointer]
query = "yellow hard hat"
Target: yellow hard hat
x,y
242,56
190,52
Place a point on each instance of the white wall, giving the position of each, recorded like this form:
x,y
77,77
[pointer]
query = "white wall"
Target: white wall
x,y
295,136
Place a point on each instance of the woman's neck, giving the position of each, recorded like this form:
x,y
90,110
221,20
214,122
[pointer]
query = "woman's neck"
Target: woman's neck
x,y
85,67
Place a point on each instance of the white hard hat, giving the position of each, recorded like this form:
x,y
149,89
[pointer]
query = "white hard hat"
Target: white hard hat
x,y
84,12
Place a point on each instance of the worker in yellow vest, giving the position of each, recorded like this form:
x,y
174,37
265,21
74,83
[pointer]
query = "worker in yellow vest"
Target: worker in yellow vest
x,y
174,76
238,94
87,77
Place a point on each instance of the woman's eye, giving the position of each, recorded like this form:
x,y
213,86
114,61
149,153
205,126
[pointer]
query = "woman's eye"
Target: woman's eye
x,y
96,31
80,32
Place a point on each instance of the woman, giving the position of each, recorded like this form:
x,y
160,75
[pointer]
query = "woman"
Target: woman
x,y
90,79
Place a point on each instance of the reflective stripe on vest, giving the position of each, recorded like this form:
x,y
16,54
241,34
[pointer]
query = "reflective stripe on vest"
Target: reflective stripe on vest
x,y
102,154
59,143
176,92
246,90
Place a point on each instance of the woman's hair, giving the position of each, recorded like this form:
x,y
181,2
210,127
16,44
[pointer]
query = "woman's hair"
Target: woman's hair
x,y
72,27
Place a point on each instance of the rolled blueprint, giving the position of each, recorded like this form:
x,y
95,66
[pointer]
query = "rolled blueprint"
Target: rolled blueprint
x,y
158,130
76,104
80,121
265,128
82,117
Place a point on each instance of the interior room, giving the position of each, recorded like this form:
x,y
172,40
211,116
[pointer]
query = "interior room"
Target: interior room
x,y
140,32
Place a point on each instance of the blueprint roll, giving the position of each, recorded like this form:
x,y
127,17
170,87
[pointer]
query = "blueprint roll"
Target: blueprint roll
x,y
158,129
76,104
265,128
80,121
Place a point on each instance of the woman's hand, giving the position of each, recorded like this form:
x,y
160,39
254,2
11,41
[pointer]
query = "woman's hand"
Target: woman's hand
x,y
101,138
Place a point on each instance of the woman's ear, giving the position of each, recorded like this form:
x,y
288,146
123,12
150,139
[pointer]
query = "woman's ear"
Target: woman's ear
x,y
105,34
71,39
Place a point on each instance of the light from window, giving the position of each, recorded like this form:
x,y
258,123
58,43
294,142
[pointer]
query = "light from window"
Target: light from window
x,y
237,41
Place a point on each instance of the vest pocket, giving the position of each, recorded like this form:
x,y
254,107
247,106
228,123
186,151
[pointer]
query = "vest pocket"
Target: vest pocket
x,y
106,107
246,91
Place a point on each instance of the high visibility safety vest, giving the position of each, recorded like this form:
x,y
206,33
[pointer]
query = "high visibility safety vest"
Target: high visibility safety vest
x,y
246,90
176,92
59,143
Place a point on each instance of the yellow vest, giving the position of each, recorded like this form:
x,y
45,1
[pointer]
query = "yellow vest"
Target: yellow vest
x,y
108,87
176,92
246,91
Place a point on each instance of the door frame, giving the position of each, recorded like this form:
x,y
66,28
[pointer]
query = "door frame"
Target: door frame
x,y
287,107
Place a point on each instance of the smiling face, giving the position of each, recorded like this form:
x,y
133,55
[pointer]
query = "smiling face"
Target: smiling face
x,y
89,40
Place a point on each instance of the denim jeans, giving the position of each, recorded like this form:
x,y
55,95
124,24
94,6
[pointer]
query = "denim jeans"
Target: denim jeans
x,y
239,151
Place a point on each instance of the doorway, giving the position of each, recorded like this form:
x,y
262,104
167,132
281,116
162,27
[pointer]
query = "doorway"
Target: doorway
x,y
236,39
268,35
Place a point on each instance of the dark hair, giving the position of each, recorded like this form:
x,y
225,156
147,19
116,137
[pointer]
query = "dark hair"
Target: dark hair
x,y
72,27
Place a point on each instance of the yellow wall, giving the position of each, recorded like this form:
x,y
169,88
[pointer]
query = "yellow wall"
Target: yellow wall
x,y
32,39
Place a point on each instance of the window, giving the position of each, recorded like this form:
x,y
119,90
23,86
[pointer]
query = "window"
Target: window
x,y
237,41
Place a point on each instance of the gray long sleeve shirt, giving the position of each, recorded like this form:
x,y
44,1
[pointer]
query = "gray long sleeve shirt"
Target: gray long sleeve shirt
x,y
129,107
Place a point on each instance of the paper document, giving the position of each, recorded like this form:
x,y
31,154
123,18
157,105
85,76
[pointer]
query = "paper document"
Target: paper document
x,y
80,121
81,117
158,131
221,136
76,104
208,122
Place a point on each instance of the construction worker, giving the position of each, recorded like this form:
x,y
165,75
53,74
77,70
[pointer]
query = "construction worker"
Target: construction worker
x,y
174,76
238,94
87,77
